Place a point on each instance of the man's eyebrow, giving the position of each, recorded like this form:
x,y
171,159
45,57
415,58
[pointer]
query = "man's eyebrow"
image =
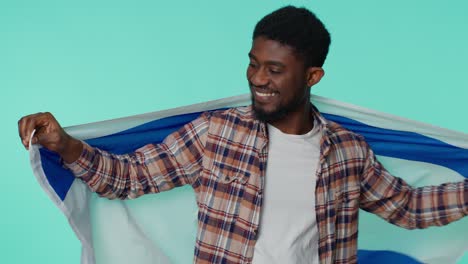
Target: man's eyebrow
x,y
274,63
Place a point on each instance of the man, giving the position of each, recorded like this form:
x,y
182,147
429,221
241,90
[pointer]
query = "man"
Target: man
x,y
275,182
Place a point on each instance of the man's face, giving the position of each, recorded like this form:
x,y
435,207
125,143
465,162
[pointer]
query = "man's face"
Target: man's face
x,y
277,80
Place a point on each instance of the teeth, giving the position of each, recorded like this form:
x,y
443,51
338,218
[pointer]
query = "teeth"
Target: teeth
x,y
265,94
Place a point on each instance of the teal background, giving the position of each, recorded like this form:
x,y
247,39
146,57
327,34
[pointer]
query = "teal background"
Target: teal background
x,y
87,61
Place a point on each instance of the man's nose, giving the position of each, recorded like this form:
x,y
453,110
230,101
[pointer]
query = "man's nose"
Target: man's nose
x,y
259,78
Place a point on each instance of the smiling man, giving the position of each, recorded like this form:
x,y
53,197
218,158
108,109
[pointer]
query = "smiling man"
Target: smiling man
x,y
280,85
275,182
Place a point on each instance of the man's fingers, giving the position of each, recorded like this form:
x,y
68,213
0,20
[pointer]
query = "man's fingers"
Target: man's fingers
x,y
46,126
29,127
34,140
41,135
22,129
28,123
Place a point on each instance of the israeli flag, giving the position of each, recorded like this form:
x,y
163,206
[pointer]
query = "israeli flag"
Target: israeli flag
x,y
161,228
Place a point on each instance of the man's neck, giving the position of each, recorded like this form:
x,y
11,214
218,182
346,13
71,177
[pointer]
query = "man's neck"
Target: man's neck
x,y
297,122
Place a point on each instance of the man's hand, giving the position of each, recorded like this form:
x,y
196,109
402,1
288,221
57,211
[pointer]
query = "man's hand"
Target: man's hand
x,y
50,135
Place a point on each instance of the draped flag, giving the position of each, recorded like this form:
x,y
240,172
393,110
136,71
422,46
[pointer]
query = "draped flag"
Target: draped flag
x,y
161,228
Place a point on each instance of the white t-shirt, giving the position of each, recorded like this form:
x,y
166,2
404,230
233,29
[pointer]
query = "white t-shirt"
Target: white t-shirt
x,y
288,228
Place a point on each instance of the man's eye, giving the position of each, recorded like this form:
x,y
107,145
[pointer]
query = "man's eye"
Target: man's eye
x,y
252,65
275,71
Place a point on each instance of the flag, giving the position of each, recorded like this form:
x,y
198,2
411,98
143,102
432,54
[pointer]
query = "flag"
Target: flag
x,y
161,228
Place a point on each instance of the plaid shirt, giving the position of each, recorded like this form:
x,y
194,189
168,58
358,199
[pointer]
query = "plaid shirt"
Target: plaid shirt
x,y
223,155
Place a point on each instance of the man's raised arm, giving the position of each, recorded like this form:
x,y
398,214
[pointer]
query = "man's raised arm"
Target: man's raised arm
x,y
150,169
398,203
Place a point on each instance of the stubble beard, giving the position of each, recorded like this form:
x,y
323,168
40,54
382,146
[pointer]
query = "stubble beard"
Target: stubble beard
x,y
279,113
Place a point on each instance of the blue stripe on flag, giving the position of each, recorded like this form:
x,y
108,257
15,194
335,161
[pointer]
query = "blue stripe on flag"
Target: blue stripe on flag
x,y
408,145
384,257
59,178
136,137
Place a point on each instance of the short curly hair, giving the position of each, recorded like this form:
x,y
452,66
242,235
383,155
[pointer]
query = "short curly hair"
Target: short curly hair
x,y
298,28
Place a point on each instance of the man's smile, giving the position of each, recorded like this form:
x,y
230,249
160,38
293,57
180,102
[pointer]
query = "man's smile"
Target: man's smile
x,y
263,95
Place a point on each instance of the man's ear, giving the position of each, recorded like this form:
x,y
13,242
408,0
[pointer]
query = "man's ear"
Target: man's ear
x,y
314,75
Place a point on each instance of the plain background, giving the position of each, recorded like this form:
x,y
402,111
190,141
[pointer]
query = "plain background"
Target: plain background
x,y
88,61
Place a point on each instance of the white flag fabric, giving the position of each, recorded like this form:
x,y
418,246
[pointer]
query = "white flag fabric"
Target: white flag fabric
x,y
161,228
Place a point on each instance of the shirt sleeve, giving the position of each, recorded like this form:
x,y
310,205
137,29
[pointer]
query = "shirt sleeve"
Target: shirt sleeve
x,y
398,203
150,169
